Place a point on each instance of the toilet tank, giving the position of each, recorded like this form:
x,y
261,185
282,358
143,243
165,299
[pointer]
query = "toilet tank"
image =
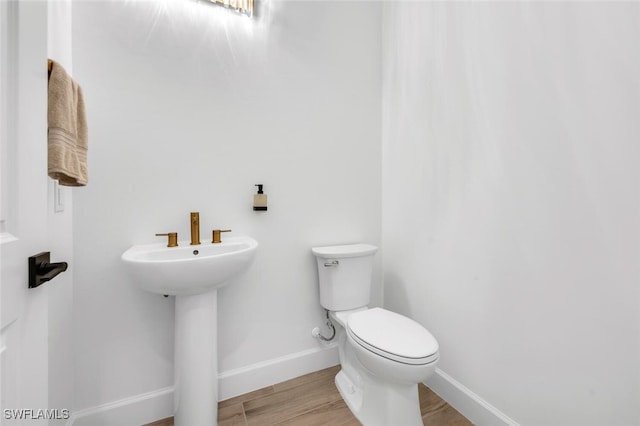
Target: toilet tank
x,y
344,275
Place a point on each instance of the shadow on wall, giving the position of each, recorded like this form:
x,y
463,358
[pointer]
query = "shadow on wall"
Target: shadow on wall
x,y
395,295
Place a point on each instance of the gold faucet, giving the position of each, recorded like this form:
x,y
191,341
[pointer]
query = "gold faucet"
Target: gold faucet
x,y
173,238
216,235
195,228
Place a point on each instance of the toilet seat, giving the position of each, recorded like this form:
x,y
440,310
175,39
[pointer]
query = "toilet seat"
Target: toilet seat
x,y
392,336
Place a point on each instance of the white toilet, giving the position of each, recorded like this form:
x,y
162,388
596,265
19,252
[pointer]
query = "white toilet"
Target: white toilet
x,y
383,355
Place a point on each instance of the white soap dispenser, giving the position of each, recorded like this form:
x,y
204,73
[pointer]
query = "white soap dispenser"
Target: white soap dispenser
x,y
260,200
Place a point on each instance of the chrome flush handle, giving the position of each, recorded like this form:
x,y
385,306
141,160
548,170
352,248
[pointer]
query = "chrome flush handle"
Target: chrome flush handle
x,y
331,264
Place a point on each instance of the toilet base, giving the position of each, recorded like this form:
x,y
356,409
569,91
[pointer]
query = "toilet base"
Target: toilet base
x,y
380,404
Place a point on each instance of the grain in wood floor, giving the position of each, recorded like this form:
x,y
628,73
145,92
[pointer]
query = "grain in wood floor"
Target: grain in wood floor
x,y
313,400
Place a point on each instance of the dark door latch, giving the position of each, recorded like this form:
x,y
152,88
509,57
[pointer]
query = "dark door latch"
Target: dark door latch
x,y
41,270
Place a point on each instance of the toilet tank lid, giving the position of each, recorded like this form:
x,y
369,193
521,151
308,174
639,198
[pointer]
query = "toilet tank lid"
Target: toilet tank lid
x,y
342,251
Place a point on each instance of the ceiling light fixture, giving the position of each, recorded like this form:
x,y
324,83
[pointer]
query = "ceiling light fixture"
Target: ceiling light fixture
x,y
244,7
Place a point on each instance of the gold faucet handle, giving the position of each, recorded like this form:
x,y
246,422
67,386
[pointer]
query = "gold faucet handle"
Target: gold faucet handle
x,y
173,238
216,235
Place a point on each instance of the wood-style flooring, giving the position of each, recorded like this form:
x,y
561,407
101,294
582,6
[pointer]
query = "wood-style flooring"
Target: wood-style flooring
x,y
311,400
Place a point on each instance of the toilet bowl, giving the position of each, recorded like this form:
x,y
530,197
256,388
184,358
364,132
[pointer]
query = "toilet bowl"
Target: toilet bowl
x,y
383,355
392,346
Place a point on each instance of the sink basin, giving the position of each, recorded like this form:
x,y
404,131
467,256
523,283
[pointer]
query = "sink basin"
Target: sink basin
x,y
187,269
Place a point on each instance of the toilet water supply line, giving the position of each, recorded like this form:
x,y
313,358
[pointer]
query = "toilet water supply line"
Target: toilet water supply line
x,y
316,331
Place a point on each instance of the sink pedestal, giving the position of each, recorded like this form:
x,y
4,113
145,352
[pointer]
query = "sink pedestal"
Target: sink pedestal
x,y
196,360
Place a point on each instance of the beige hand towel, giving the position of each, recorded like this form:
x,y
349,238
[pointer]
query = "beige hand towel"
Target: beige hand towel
x,y
68,141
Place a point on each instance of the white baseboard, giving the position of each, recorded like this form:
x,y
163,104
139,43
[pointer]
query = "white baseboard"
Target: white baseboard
x,y
469,404
151,406
136,410
246,379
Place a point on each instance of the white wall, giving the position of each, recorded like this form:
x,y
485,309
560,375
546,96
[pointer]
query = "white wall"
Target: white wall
x,y
189,107
511,200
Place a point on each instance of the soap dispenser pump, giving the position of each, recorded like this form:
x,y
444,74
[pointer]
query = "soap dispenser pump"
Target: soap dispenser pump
x,y
260,200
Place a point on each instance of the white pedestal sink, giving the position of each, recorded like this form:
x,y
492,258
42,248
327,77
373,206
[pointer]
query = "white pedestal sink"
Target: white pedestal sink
x,y
193,274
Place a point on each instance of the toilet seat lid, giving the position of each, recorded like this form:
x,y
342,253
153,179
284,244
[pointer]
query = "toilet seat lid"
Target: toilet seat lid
x,y
393,336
